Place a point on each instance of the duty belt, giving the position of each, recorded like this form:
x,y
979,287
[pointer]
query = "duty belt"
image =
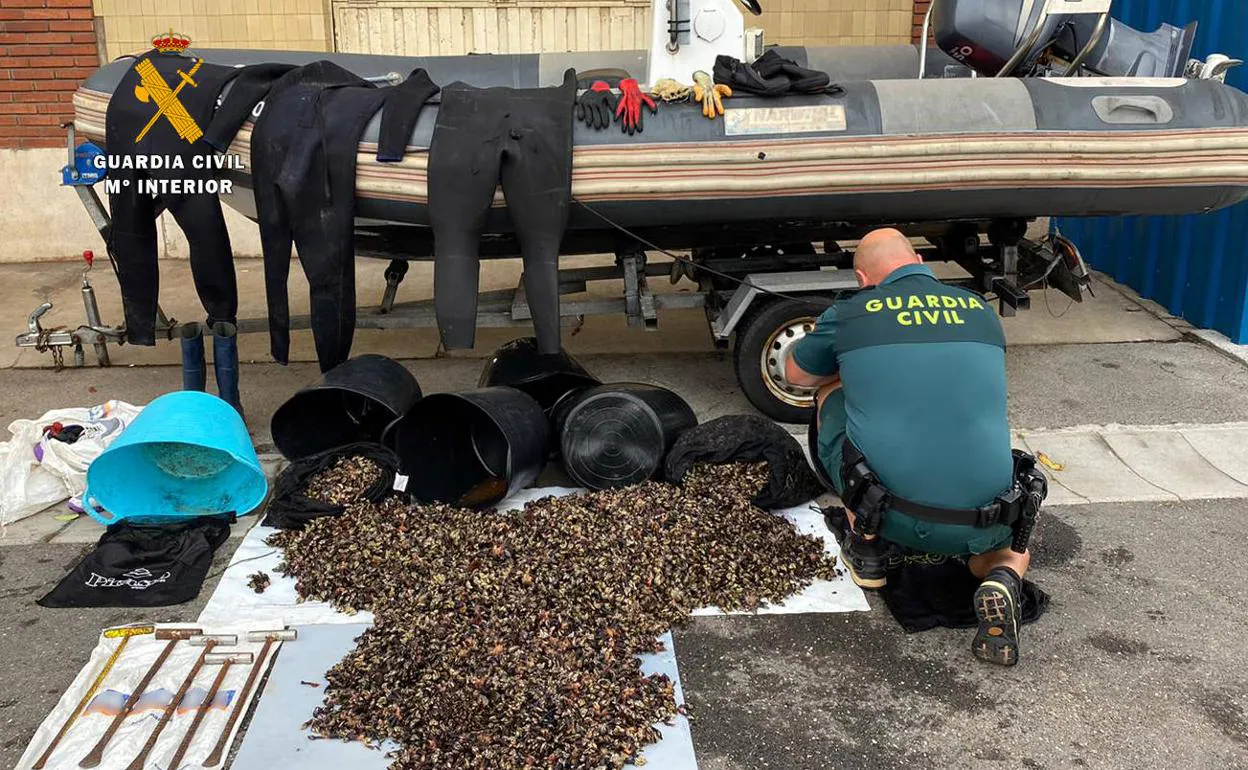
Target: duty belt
x,y
1016,508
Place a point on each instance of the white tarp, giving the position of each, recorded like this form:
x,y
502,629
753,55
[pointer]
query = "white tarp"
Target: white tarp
x,y
126,673
234,601
277,726
278,719
37,471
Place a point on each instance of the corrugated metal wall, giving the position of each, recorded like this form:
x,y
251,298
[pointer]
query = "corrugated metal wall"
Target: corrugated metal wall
x,y
1196,266
458,27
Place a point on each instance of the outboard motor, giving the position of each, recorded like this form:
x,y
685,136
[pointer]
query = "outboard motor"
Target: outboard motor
x,y
1022,38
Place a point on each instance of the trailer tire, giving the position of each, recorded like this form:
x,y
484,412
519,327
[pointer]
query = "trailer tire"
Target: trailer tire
x,y
768,328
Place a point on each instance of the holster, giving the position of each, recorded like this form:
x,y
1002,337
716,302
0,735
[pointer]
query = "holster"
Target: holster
x,y
1018,507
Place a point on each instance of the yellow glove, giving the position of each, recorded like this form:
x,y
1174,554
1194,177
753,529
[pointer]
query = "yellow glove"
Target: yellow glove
x,y
670,91
709,94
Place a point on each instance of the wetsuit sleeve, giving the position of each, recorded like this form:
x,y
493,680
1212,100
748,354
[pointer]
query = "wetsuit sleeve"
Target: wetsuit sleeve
x,y
249,87
398,117
816,352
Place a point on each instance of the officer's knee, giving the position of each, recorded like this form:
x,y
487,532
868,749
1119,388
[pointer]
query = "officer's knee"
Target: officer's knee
x,y
823,392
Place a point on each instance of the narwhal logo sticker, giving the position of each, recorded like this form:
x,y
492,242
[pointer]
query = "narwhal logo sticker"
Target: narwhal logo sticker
x,y
156,90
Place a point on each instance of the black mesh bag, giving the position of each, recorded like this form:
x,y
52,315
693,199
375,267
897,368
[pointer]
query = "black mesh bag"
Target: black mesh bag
x,y
290,508
748,438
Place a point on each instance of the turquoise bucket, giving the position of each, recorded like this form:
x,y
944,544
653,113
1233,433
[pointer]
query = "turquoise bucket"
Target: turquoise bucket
x,y
186,454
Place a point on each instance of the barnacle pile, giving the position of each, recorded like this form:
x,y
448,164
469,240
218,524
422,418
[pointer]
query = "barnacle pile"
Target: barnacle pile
x,y
507,641
345,481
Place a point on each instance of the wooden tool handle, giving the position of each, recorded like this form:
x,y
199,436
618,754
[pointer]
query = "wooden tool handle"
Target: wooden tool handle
x,y
200,712
141,759
214,758
82,704
96,756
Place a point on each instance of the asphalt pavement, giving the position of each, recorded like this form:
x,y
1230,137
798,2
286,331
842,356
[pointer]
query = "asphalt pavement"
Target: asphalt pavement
x,y
1138,663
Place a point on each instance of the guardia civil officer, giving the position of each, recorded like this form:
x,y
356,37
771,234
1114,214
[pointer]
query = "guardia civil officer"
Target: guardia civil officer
x,y
912,431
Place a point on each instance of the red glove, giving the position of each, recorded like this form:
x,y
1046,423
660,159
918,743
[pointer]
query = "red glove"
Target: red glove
x,y
628,113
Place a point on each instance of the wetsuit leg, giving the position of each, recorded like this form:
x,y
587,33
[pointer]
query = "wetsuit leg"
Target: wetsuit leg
x,y
133,242
212,260
537,182
464,165
402,107
275,244
320,196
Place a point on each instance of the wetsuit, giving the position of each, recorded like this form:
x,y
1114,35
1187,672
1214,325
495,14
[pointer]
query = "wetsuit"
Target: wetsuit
x,y
303,154
133,210
250,85
523,139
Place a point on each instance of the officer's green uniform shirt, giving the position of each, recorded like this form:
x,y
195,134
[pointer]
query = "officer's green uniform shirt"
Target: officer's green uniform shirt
x,y
924,399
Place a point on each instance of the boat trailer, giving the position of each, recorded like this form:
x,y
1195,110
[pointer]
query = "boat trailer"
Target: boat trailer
x,y
759,299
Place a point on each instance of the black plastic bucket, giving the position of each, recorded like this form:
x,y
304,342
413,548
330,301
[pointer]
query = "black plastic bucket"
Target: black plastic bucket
x,y
470,449
353,402
544,376
616,435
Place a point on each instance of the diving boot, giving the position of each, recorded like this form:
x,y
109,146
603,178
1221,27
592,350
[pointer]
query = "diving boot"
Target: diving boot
x,y
996,606
194,370
225,363
866,561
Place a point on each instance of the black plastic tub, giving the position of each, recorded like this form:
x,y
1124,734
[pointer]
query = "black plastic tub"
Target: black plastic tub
x,y
470,449
353,402
619,434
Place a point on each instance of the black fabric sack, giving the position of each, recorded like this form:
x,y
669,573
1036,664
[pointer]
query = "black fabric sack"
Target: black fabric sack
x,y
143,565
927,591
290,508
748,438
926,596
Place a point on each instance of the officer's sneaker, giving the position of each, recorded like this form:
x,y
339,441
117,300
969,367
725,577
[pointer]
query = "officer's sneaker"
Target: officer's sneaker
x,y
996,606
866,561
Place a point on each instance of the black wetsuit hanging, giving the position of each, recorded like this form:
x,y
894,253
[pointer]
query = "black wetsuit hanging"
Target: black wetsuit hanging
x,y
250,85
170,120
303,153
523,139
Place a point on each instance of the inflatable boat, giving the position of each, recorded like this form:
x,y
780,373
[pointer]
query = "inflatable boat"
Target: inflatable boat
x,y
890,147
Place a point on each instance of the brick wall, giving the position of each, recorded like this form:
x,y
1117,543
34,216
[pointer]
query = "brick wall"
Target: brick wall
x,y
920,11
47,47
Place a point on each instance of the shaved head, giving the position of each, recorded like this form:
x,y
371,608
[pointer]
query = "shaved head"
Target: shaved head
x,y
880,253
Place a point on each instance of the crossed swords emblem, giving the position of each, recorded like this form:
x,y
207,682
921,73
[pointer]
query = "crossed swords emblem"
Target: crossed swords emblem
x,y
155,89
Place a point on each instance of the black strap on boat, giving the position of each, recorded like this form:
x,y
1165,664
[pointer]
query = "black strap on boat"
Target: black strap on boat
x,y
1017,507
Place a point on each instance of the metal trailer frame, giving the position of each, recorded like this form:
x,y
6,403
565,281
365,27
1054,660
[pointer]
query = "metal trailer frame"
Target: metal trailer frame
x,y
735,283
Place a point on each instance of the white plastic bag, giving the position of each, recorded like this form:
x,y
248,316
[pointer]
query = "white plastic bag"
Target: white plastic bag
x,y
37,471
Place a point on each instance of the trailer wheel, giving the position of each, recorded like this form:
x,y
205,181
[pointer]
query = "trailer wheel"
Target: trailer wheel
x,y
758,356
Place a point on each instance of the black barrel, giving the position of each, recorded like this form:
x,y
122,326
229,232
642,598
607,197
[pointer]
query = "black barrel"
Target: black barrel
x,y
547,377
616,435
472,448
353,402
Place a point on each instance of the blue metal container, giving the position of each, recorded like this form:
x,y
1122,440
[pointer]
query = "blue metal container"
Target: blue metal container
x,y
186,454
1196,266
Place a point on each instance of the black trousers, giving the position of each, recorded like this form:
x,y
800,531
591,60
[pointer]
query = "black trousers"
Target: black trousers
x,y
523,139
133,211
